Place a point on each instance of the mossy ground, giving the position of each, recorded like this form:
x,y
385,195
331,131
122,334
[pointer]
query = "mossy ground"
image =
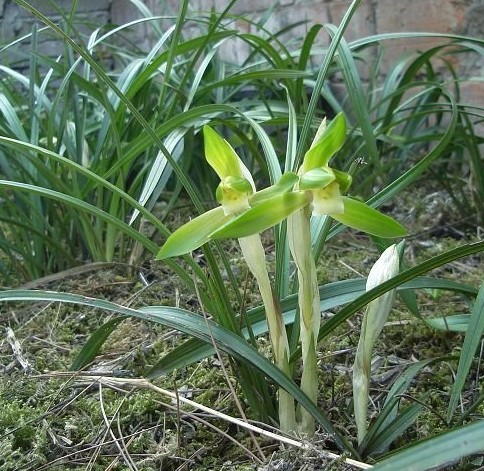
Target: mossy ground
x,y
57,422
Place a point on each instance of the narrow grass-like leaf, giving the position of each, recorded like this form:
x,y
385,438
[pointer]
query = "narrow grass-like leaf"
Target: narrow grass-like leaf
x,y
83,206
357,96
379,436
94,344
332,296
438,451
395,429
472,339
195,325
124,99
452,323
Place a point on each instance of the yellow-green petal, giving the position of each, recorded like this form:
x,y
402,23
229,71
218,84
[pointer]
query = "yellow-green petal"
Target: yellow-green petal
x,y
344,180
233,194
262,216
316,178
284,184
193,234
327,200
364,218
222,157
330,142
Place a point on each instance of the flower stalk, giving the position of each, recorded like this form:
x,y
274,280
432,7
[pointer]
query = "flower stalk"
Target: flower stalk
x,y
254,255
299,235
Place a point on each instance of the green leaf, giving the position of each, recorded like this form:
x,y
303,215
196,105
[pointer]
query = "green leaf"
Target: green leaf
x,y
472,340
194,233
395,429
332,295
358,96
437,451
364,218
82,206
383,430
456,323
263,216
91,348
197,326
220,155
328,144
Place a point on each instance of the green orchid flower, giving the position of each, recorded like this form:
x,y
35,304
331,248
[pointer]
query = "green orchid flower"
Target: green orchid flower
x,y
317,189
237,196
243,210
325,188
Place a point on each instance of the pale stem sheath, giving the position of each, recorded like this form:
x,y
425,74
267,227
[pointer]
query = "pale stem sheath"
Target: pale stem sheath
x,y
374,319
254,255
299,234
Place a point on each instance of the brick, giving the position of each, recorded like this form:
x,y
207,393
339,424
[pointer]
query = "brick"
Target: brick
x,y
423,16
48,8
362,23
240,7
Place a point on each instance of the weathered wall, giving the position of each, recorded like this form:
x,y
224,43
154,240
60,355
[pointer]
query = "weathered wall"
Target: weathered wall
x,y
15,22
372,17
465,17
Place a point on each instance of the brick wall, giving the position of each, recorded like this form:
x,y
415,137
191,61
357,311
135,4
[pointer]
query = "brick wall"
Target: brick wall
x,y
372,17
15,22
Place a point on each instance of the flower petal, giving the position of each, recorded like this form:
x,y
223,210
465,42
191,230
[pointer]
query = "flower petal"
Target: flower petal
x,y
262,216
364,218
316,178
193,234
330,142
222,157
327,200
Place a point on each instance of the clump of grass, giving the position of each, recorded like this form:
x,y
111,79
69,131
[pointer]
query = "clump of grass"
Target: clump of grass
x,y
77,168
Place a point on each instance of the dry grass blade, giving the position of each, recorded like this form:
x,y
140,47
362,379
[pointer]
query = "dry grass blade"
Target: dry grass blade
x,y
226,376
119,442
141,383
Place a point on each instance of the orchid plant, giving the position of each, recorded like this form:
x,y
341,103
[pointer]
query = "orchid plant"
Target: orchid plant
x,y
244,212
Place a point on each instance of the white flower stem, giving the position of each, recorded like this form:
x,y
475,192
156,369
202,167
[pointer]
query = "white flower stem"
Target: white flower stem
x,y
254,255
299,234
